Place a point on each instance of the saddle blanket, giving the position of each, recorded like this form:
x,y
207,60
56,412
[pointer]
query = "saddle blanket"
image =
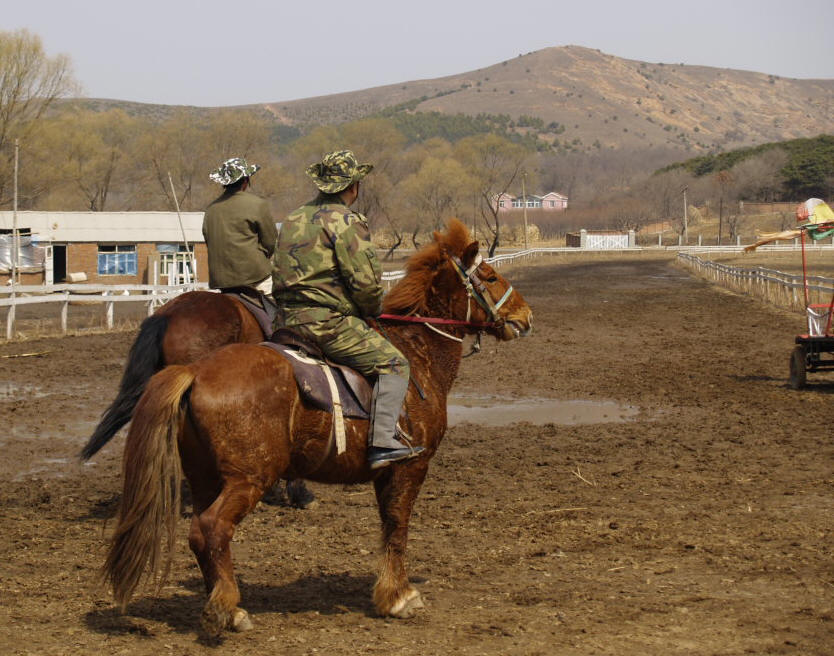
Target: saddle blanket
x,y
316,379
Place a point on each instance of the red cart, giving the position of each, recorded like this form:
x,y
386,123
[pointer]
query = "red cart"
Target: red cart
x,y
814,351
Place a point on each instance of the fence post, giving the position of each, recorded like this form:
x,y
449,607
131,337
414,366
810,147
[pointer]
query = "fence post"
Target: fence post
x,y
64,307
109,311
10,320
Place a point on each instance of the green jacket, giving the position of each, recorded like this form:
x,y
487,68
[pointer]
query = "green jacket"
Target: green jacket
x,y
240,237
325,265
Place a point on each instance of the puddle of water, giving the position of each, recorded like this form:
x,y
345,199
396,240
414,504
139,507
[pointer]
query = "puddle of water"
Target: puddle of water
x,y
495,412
9,391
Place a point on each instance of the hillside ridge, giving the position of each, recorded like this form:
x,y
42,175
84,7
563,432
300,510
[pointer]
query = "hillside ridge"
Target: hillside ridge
x,y
587,100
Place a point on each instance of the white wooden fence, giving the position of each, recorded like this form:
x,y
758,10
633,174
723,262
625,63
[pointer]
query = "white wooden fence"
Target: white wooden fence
x,y
152,295
776,287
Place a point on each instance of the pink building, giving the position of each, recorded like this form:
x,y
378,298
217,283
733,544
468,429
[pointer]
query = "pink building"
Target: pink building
x,y
550,202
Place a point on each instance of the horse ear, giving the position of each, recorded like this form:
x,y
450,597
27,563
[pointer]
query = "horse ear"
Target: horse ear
x,y
438,236
469,254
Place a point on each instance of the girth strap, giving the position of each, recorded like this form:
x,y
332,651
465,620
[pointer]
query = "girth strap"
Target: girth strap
x,y
338,415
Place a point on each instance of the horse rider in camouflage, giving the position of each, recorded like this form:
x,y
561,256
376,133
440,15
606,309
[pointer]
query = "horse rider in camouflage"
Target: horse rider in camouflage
x,y
327,282
239,231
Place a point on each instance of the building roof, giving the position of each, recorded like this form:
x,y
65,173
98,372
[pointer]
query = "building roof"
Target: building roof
x,y
549,194
99,227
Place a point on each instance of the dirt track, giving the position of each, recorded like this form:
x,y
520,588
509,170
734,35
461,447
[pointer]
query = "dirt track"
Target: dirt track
x,y
703,526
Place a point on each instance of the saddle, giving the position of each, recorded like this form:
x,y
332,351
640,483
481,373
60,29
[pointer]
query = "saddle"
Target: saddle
x,y
313,372
326,385
259,306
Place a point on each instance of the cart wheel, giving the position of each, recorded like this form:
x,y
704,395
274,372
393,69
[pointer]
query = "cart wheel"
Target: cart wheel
x,y
798,368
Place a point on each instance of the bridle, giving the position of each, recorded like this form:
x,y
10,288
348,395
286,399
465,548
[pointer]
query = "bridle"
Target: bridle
x,y
475,289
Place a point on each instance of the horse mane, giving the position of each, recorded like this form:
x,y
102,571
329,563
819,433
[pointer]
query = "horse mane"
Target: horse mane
x,y
410,294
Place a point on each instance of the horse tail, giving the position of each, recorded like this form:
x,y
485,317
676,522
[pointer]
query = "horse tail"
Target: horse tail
x,y
152,472
143,361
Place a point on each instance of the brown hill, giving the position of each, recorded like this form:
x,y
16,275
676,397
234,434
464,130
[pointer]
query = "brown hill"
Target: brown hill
x,y
587,100
599,97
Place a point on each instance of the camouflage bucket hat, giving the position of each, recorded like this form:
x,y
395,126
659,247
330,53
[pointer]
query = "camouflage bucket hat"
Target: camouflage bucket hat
x,y
337,171
233,170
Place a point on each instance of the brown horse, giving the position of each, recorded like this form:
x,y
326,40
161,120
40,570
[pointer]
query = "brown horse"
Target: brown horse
x,y
180,332
234,423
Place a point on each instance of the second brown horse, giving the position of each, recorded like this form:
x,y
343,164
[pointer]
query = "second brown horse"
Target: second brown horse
x,y
234,423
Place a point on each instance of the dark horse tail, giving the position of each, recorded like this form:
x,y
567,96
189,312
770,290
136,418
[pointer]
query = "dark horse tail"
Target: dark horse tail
x,y
143,361
152,472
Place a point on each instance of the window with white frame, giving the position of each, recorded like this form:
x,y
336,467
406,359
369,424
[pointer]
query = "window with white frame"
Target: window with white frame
x,y
176,263
117,260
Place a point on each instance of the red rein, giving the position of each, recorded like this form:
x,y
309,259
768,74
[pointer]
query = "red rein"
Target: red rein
x,y
436,321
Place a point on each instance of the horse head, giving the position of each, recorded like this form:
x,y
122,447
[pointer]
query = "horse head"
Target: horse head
x,y
449,278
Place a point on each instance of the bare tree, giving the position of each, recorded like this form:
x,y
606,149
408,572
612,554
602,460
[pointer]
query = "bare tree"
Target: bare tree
x,y
30,82
437,190
89,150
494,163
179,147
377,141
757,178
723,182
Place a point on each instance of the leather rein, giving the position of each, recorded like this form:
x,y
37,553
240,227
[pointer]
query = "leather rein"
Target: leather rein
x,y
475,288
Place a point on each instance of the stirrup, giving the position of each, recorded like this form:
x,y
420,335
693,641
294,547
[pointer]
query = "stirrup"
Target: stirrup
x,y
402,436
379,456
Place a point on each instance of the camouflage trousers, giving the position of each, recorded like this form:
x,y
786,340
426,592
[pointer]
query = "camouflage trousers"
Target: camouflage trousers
x,y
350,341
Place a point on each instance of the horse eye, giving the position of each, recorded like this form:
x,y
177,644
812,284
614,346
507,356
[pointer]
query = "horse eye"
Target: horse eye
x,y
492,279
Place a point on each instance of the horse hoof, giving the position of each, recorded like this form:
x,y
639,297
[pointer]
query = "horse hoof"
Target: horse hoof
x,y
406,607
241,621
214,620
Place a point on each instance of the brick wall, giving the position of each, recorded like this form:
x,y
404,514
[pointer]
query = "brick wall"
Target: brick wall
x,y
84,258
26,277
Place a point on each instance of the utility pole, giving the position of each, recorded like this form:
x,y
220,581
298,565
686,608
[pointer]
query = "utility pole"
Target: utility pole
x,y
475,217
685,226
15,231
524,198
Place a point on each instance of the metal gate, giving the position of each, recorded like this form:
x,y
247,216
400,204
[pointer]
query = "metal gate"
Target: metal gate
x,y
607,241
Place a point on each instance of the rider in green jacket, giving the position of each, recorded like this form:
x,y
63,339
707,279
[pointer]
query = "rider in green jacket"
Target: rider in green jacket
x,y
327,282
239,231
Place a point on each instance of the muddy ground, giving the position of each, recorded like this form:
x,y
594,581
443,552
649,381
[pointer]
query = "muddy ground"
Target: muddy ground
x,y
702,525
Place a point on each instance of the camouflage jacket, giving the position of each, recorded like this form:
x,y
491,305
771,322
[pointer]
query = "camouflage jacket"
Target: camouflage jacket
x,y
324,264
240,234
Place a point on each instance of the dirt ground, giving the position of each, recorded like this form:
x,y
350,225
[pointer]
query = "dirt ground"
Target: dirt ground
x,y
703,525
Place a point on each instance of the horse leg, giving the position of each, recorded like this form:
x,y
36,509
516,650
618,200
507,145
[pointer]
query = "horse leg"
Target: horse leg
x,y
299,495
211,533
396,491
197,542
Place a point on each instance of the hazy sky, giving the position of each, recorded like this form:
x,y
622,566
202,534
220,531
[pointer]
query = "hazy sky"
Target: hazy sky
x,y
212,52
